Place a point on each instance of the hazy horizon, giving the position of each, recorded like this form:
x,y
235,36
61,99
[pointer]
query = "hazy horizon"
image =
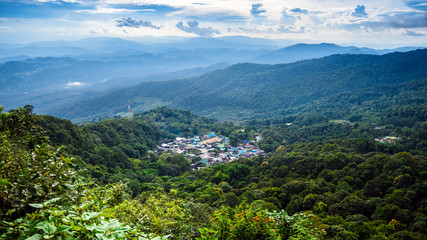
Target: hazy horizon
x,y
378,24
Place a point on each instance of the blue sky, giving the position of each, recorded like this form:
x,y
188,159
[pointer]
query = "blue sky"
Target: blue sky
x,y
379,23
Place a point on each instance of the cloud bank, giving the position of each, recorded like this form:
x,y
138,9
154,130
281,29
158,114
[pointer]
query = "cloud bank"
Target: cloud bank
x,y
411,21
299,10
193,27
134,23
257,10
375,22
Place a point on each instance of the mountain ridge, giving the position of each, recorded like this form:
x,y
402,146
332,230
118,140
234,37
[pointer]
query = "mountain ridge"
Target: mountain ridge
x,y
242,86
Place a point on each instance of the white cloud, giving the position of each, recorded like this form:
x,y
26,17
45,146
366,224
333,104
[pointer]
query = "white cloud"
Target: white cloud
x,y
73,84
98,31
278,29
420,5
193,27
258,10
135,23
106,10
67,34
309,19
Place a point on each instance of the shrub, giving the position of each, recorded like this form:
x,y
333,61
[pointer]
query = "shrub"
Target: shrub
x,y
245,222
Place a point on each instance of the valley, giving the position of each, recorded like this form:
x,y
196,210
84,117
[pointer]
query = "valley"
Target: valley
x,y
213,120
332,147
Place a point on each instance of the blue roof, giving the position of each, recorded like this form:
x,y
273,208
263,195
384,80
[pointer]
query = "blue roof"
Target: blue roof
x,y
242,151
246,141
211,135
234,148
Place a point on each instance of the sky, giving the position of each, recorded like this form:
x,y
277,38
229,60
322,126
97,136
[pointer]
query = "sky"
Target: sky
x,y
373,23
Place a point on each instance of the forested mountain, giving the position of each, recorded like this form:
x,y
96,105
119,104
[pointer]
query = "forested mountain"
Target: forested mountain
x,y
48,74
258,91
345,141
112,147
374,112
332,178
304,51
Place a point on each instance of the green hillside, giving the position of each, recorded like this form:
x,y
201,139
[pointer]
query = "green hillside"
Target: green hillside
x,y
346,147
258,91
325,180
398,109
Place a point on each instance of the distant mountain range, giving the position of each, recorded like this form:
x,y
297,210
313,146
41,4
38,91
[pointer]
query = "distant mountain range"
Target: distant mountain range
x,y
263,49
309,51
258,91
104,45
47,74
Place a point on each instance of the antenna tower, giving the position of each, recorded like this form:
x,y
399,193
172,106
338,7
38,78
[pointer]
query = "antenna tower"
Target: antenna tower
x,y
129,106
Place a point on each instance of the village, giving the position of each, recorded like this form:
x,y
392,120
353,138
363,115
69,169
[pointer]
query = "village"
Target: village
x,y
388,139
210,149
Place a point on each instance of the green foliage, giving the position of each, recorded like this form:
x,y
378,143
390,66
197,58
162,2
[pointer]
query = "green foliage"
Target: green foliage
x,y
31,171
245,222
161,215
117,149
88,214
351,186
40,195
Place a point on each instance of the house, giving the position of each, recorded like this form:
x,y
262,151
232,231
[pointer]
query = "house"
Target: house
x,y
211,135
203,161
388,139
212,140
164,145
212,149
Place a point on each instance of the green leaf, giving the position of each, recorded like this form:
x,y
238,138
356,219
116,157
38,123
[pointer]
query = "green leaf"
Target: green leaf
x,y
40,225
101,228
49,228
85,206
46,227
69,238
36,205
103,237
4,181
52,200
62,228
87,216
91,227
35,237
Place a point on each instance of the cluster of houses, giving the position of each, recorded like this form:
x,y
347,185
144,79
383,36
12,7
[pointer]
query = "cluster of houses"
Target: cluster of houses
x,y
388,139
210,149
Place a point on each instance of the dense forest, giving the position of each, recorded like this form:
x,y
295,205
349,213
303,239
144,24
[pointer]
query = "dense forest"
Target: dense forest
x,y
322,179
346,158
